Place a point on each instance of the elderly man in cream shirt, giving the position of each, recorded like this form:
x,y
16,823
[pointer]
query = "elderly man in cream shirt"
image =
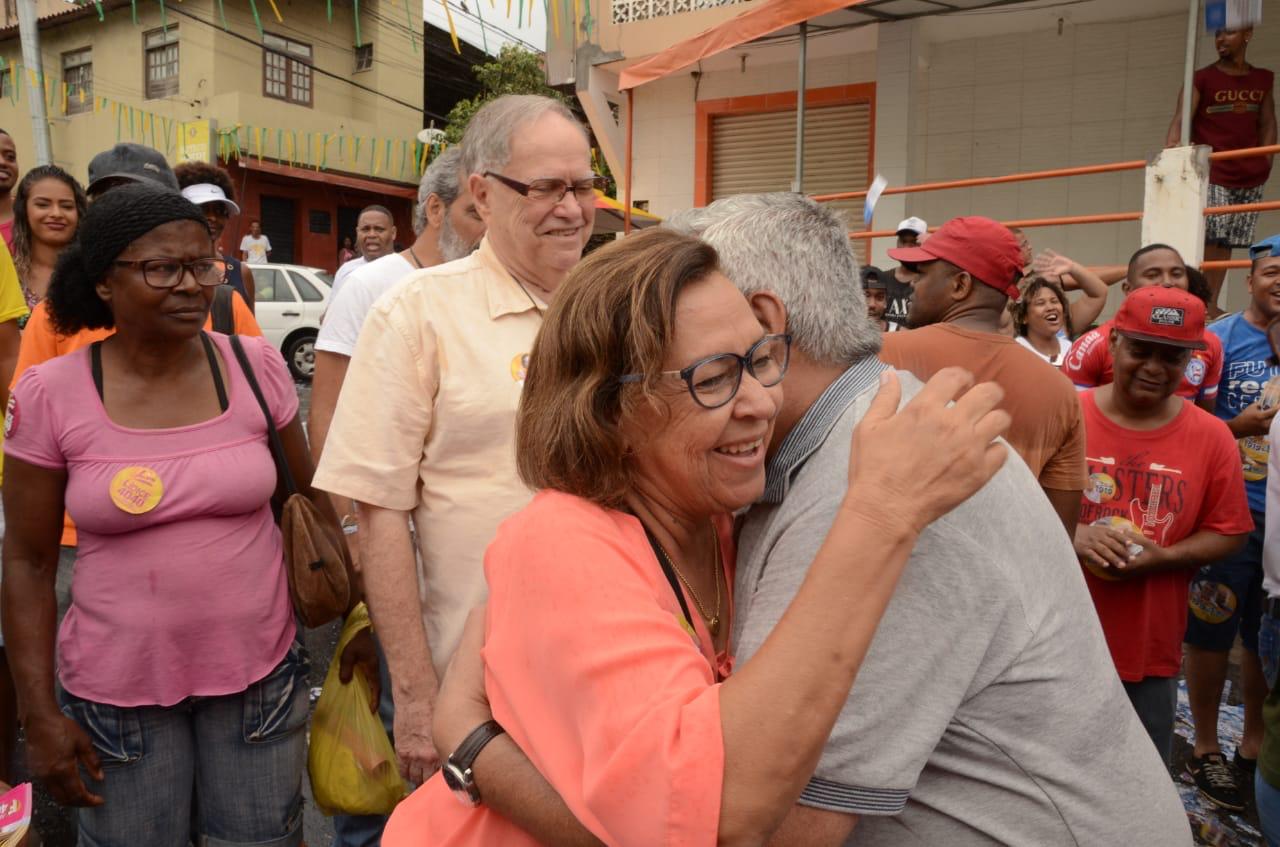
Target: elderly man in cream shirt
x,y
425,425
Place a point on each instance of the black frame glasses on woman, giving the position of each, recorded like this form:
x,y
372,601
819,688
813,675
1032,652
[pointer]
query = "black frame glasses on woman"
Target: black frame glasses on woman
x,y
715,380
168,273
549,190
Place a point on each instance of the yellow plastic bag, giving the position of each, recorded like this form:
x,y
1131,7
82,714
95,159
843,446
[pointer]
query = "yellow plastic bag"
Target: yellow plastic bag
x,y
351,760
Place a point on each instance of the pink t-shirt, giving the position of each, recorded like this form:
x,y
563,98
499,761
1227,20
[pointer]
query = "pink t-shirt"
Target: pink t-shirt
x,y
593,670
179,586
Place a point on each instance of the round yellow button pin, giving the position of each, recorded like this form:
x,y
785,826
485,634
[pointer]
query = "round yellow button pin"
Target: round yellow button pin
x,y
136,490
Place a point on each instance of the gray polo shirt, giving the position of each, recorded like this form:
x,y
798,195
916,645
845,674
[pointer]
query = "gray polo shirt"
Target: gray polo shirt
x,y
988,710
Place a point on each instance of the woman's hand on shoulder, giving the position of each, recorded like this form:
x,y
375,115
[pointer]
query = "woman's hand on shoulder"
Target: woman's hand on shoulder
x,y
911,466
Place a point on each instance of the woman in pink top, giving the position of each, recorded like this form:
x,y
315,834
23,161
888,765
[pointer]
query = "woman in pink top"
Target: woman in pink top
x,y
183,692
651,396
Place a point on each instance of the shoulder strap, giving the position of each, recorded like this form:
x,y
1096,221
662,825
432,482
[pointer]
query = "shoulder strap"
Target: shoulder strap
x,y
224,319
671,577
218,385
95,364
273,435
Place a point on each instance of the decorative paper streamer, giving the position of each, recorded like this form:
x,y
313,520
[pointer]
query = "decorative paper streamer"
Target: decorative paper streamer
x,y
222,13
98,5
329,9
164,19
408,20
453,31
133,4
257,19
355,6
275,11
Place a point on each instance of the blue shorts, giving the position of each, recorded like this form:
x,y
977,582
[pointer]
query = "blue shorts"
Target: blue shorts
x,y
1226,597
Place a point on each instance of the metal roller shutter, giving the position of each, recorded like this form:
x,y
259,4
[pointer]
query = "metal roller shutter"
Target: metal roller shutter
x,y
757,152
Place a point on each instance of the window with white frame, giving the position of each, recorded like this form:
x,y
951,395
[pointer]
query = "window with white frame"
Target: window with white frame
x,y
286,69
161,48
77,75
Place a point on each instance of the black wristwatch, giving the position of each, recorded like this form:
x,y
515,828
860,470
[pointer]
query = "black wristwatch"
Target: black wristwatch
x,y
457,769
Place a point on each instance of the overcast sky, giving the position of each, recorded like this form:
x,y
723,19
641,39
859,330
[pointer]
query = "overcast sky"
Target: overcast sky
x,y
498,28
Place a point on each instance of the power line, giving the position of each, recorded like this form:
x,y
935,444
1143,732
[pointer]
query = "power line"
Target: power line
x,y
178,11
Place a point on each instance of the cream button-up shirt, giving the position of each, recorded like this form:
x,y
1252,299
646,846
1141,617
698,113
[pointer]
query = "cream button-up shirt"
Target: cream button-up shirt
x,y
426,422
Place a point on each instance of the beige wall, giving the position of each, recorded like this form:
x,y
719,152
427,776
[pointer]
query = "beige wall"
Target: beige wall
x,y
665,110
1095,93
221,79
954,103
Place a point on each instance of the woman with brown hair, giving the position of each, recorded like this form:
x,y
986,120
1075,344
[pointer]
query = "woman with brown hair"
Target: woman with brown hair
x,y
651,396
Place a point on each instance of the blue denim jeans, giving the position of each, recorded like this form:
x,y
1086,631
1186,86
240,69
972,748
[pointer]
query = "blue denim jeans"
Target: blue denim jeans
x,y
213,771
1268,801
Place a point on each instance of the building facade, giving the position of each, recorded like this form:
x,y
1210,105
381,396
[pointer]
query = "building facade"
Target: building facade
x,y
313,121
1007,89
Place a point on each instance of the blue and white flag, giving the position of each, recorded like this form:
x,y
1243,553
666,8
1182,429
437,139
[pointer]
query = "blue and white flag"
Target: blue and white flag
x,y
1231,14
877,187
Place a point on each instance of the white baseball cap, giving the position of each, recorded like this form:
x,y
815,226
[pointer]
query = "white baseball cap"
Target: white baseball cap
x,y
207,192
913,224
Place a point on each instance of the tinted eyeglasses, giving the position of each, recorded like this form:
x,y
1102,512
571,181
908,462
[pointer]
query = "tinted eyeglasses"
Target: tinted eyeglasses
x,y
553,190
167,273
715,380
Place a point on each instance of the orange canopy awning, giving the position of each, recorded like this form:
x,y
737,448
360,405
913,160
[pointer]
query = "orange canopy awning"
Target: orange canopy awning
x,y
769,17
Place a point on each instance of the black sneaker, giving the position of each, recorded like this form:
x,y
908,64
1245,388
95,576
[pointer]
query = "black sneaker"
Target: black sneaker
x,y
1216,781
1247,767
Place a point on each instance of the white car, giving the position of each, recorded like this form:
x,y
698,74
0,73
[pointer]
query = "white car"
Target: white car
x,y
290,301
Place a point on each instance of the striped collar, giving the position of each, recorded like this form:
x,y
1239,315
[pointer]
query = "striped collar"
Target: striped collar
x,y
812,429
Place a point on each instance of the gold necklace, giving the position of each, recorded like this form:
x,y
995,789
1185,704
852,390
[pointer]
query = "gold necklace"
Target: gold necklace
x,y
712,621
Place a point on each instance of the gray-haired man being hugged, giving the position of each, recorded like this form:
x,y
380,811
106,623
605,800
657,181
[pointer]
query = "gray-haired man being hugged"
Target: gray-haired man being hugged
x,y
987,710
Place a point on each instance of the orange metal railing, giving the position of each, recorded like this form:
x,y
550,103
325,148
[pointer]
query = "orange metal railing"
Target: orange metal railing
x,y
1067,220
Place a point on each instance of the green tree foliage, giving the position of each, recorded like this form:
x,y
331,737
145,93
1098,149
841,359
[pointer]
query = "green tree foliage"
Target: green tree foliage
x,y
513,71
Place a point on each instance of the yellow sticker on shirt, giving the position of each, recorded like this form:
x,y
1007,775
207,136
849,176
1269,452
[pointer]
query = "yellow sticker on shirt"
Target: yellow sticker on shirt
x,y
520,368
136,490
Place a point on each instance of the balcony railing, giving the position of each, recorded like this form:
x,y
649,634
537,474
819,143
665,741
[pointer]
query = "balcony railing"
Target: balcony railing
x,y
627,11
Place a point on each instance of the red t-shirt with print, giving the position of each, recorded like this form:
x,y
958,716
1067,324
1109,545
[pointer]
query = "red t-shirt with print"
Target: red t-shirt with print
x,y
1167,483
1088,364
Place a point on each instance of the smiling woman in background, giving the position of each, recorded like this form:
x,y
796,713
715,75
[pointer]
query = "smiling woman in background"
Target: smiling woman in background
x,y
46,213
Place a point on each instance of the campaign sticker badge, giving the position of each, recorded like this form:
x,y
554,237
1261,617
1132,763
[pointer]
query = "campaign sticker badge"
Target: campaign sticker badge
x,y
11,416
520,368
1101,488
136,490
1195,371
1211,602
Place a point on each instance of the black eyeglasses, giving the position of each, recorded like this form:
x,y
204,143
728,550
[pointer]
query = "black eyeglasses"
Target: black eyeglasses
x,y
168,273
715,380
553,190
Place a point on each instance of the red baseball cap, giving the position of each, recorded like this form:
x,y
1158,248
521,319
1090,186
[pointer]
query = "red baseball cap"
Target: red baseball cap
x,y
981,246
1163,316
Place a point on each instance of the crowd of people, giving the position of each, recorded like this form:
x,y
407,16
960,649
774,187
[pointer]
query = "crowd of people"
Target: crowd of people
x,y
707,536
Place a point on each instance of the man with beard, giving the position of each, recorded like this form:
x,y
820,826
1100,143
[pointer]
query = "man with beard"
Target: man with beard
x,y
1165,496
1232,108
448,228
875,289
966,274
1227,596
375,238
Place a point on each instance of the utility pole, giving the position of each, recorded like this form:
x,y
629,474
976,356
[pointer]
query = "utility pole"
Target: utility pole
x,y
29,32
